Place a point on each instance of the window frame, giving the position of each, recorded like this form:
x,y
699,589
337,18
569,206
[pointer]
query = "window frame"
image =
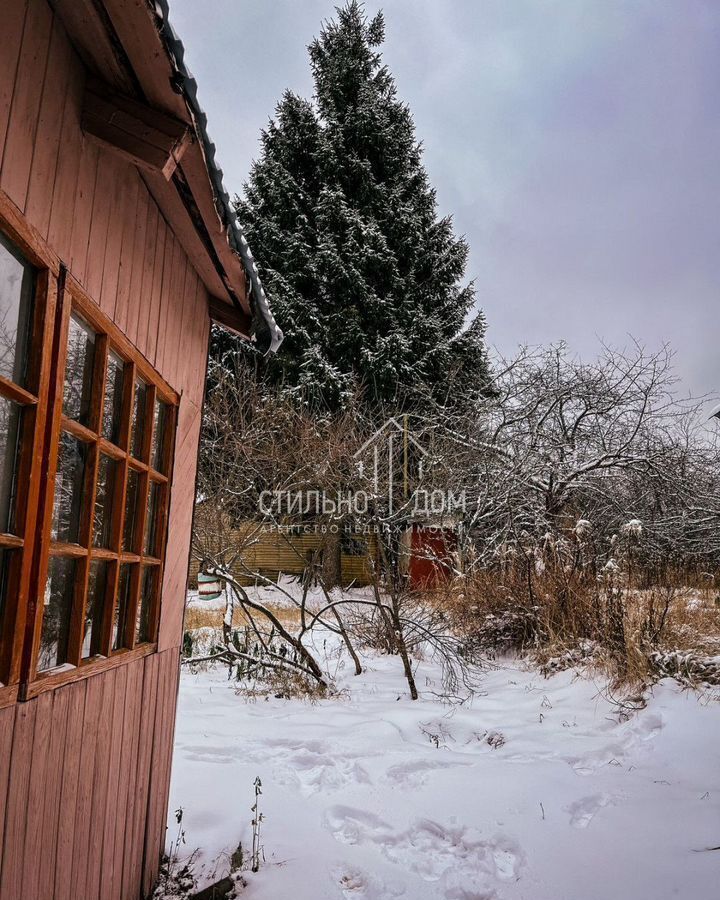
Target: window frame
x,y
56,296
30,461
108,339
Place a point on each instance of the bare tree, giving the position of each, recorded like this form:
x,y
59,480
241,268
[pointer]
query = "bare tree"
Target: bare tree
x,y
270,461
549,472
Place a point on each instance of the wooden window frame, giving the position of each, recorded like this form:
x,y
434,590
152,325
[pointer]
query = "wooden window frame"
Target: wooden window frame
x,y
108,339
30,444
57,295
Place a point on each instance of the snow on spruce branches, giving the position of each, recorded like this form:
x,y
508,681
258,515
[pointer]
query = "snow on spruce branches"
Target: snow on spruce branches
x,y
365,276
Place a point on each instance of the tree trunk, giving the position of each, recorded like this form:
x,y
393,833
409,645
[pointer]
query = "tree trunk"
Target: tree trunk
x,y
402,649
348,643
385,616
331,561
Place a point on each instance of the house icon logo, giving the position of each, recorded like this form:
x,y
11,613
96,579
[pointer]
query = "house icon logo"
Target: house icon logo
x,y
393,459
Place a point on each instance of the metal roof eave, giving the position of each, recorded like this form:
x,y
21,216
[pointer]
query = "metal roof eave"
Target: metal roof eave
x,y
267,329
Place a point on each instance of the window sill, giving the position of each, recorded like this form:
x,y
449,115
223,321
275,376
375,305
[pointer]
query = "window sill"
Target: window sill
x,y
49,681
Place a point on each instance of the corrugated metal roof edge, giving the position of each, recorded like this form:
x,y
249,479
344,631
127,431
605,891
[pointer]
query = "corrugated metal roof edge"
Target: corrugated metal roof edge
x,y
264,321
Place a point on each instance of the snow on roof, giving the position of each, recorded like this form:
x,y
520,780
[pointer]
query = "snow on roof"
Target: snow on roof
x,y
265,321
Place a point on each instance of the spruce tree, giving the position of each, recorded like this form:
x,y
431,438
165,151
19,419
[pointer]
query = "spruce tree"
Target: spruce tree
x,y
365,277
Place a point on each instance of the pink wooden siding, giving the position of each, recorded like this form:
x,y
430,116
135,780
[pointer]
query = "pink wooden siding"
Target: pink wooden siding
x,y
75,827
84,769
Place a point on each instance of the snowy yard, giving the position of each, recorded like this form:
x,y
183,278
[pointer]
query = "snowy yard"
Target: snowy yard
x,y
539,788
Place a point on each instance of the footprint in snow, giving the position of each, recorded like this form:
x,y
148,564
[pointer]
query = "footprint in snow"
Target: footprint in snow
x,y
415,773
205,754
632,738
649,725
583,811
465,892
457,856
355,884
355,826
310,767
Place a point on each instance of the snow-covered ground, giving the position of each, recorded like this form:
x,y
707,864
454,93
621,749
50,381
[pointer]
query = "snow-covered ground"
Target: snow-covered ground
x,y
539,788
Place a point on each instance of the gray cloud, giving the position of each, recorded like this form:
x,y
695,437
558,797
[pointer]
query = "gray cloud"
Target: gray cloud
x,y
576,143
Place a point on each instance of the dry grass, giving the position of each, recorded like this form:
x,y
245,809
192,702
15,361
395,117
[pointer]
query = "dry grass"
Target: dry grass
x,y
561,618
693,622
197,617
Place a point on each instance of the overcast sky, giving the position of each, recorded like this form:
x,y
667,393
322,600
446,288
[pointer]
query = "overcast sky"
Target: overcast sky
x,y
575,142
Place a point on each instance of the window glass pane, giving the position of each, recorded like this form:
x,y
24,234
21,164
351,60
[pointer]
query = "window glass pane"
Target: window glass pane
x,y
160,426
122,609
353,546
151,524
10,414
147,596
104,495
130,525
16,290
5,558
79,371
112,401
57,610
94,608
69,489
138,419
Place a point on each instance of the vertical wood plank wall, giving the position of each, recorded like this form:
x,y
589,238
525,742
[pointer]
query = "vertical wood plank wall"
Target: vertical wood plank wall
x,y
84,770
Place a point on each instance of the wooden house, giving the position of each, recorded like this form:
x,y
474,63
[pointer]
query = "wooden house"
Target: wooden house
x,y
272,551
118,247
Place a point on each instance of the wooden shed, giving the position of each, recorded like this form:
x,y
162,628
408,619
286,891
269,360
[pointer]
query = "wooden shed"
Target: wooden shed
x,y
117,249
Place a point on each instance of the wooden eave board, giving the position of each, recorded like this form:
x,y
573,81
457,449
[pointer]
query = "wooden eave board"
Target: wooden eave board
x,y
144,49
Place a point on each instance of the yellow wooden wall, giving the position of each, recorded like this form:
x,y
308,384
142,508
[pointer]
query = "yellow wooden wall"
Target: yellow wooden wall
x,y
270,552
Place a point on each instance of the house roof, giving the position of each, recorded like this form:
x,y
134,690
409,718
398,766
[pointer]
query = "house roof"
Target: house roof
x,y
236,236
131,45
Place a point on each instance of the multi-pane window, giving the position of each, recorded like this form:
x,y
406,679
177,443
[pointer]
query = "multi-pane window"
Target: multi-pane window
x,y
82,534
18,415
110,504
